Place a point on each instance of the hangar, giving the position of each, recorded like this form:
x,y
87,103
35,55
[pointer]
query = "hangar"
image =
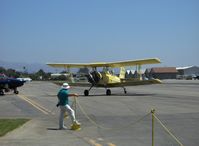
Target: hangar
x,y
161,73
190,70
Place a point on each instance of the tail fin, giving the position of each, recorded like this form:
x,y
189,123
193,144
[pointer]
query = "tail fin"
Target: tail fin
x,y
122,73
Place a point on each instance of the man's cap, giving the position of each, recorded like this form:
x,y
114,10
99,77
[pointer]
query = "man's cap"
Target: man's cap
x,y
65,86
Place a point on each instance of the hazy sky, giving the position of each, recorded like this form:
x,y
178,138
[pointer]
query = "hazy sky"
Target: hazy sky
x,y
99,30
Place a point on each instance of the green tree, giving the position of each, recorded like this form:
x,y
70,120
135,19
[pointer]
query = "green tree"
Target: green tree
x,y
12,73
2,70
41,75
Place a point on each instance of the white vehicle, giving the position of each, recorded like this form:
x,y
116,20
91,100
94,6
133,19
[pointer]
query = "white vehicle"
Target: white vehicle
x,y
25,79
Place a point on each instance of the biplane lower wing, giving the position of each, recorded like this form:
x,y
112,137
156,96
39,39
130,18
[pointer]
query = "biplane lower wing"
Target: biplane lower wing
x,y
132,82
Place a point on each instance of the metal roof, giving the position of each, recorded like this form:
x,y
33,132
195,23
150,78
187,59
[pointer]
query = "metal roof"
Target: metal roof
x,y
182,68
163,70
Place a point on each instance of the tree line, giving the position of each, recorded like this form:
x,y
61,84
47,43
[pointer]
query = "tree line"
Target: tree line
x,y
39,75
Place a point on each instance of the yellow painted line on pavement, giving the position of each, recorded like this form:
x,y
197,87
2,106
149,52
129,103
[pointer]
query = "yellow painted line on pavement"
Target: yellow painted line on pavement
x,y
37,104
34,104
111,144
91,141
94,143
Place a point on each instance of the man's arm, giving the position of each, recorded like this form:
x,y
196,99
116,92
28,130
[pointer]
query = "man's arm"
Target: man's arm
x,y
74,94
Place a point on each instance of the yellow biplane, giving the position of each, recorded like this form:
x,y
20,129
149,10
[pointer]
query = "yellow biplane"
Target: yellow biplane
x,y
107,79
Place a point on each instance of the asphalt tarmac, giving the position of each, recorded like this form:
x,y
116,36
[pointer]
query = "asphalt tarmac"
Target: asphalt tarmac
x,y
116,120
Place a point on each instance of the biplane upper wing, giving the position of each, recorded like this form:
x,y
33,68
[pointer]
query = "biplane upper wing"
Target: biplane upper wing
x,y
76,65
134,62
103,64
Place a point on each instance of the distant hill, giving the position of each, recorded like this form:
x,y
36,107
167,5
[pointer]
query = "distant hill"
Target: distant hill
x,y
29,67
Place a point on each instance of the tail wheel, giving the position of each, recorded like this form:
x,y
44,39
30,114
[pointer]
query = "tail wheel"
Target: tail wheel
x,y
86,92
108,92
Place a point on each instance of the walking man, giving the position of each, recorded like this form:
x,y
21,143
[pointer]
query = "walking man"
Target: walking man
x,y
63,103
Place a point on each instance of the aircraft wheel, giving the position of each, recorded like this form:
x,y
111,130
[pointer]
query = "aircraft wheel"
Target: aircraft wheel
x,y
16,92
86,92
1,93
125,91
108,92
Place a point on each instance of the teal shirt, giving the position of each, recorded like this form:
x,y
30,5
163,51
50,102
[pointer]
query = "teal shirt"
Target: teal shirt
x,y
63,96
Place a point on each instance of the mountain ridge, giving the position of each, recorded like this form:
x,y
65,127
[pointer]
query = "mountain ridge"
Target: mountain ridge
x,y
28,67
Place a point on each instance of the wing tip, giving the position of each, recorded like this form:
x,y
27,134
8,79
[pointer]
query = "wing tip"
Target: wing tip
x,y
158,60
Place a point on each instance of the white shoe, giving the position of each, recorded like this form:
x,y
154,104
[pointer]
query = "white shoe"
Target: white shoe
x,y
76,123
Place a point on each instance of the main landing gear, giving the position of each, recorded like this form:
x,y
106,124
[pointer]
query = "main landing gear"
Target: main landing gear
x,y
16,91
7,90
108,91
86,92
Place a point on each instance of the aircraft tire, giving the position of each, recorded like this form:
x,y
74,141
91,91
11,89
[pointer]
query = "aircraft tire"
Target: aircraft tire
x,y
86,92
108,92
16,92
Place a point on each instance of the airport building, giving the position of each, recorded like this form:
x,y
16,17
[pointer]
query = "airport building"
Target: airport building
x,y
161,73
188,73
190,70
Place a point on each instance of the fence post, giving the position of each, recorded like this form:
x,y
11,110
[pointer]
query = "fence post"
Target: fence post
x,y
153,131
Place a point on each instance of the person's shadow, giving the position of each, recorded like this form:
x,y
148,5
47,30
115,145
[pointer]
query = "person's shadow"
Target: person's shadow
x,y
52,128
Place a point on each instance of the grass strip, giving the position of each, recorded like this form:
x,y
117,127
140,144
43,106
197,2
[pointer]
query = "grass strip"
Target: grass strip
x,y
7,125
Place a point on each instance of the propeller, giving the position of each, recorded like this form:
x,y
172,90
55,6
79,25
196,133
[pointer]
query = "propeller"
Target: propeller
x,y
94,77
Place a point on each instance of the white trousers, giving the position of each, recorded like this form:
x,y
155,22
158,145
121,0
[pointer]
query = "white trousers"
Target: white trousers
x,y
69,110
